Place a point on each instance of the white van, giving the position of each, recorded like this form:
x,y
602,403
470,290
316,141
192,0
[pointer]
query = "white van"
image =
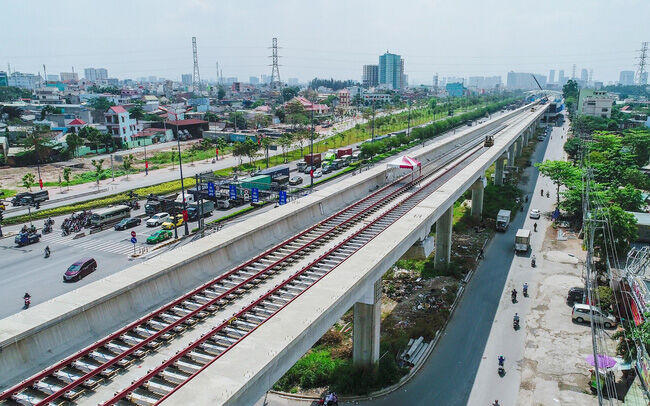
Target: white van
x,y
582,313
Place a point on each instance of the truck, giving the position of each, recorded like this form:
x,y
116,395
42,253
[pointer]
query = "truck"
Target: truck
x,y
261,182
343,151
503,220
313,160
338,164
26,238
279,183
158,204
30,198
329,156
275,172
522,240
205,208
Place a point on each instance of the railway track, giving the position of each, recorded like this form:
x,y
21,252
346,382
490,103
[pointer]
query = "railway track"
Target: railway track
x,y
282,273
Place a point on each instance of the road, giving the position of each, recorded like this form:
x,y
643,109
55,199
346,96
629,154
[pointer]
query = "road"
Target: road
x,y
89,191
470,342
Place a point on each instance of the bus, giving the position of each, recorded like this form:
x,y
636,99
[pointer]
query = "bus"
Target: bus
x,y
109,215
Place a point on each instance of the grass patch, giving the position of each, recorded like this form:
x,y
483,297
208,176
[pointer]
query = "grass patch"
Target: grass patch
x,y
5,193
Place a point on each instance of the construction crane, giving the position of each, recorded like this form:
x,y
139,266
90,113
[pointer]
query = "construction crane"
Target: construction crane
x,y
544,98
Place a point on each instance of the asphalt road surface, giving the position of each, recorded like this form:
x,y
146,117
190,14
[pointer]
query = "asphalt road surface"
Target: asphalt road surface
x,y
450,373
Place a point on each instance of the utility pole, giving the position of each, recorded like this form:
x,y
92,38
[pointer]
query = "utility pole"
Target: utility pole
x,y
373,121
196,78
311,152
180,167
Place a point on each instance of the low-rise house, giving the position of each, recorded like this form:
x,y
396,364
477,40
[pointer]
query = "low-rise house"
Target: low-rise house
x,y
120,125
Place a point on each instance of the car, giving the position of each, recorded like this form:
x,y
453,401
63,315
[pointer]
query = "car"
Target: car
x,y
534,214
583,312
159,236
295,180
540,138
127,223
169,224
327,168
318,173
157,219
80,269
575,295
308,169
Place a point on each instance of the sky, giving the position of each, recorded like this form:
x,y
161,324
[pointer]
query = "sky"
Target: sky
x,y
326,39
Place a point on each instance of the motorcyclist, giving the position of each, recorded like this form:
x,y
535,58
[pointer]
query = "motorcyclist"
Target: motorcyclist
x,y
496,403
47,251
547,194
541,192
525,289
535,227
49,221
514,295
24,229
533,260
516,318
26,296
32,229
502,360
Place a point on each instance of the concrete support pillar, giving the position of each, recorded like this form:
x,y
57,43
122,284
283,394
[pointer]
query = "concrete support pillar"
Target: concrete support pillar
x,y
477,198
518,147
365,333
443,238
511,155
498,172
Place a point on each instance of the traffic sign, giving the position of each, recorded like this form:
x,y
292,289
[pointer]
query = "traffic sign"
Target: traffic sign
x,y
133,234
233,192
134,240
246,195
282,197
255,195
211,191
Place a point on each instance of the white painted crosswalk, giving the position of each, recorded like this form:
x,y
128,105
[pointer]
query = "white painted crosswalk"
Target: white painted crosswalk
x,y
122,247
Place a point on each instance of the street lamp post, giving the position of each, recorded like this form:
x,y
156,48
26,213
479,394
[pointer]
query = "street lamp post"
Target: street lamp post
x,y
373,121
146,163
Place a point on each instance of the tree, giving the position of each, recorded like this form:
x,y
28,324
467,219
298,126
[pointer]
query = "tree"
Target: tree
x,y
28,180
296,113
98,168
74,141
266,143
250,149
100,103
370,149
11,111
221,93
239,150
290,92
220,144
36,141
238,120
49,110
66,176
561,173
11,93
432,104
619,233
210,116
285,142
127,163
92,135
301,136
628,198
572,147
357,100
136,112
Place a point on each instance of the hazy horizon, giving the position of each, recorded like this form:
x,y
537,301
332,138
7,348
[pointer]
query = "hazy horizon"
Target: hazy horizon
x,y
327,39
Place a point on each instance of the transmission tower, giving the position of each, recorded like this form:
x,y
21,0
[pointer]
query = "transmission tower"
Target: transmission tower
x,y
642,75
276,84
196,78
573,74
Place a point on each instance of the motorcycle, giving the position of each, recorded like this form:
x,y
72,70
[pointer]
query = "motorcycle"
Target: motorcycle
x,y
525,290
501,370
28,301
533,262
514,296
47,228
515,323
47,252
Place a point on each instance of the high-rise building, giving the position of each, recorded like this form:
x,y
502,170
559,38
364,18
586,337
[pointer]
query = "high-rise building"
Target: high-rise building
x,y
584,75
483,82
266,79
370,75
4,79
94,75
561,80
24,80
551,76
69,76
292,81
102,74
52,78
254,80
186,79
626,78
391,71
525,81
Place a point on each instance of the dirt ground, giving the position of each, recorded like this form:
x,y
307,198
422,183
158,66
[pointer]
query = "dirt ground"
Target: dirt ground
x,y
554,370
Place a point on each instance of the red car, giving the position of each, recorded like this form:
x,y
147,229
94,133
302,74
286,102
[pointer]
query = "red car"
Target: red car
x,y
80,269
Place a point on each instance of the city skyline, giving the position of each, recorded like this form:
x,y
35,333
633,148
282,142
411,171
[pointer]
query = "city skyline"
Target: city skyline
x,y
309,48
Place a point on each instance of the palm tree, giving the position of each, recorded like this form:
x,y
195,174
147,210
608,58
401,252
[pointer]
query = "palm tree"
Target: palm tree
x,y
35,140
